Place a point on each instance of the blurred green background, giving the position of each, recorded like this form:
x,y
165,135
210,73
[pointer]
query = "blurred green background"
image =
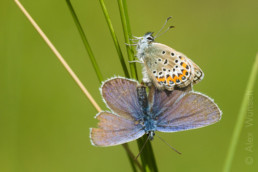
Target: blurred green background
x,y
45,117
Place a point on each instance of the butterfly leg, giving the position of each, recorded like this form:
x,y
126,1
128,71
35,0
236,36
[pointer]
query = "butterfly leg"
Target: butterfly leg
x,y
130,44
146,78
137,38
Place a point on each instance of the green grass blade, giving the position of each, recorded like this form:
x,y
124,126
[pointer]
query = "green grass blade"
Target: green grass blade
x,y
147,156
85,41
114,37
125,25
129,32
132,159
241,118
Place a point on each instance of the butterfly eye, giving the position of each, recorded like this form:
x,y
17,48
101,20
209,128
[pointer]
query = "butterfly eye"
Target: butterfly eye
x,y
150,38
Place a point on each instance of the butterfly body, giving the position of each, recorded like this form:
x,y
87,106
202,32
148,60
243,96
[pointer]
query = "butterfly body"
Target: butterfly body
x,y
147,119
165,67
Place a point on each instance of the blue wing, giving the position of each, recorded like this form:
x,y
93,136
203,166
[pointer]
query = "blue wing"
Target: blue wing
x,y
120,96
181,110
114,130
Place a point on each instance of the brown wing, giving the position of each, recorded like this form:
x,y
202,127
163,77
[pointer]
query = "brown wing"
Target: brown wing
x,y
197,72
168,68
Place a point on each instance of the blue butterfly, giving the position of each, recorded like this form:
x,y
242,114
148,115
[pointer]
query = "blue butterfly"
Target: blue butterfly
x,y
134,113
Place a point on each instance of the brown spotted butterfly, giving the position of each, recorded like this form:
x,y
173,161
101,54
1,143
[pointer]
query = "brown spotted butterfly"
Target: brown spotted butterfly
x,y
165,67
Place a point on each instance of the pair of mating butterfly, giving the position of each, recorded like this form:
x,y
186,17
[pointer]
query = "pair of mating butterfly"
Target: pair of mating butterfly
x,y
170,106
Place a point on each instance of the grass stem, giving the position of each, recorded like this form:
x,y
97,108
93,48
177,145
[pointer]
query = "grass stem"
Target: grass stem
x,y
126,25
241,117
114,37
85,41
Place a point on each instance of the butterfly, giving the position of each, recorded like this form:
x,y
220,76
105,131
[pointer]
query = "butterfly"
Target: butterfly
x,y
163,66
135,113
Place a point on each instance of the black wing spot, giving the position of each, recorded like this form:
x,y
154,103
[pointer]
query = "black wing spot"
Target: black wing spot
x,y
163,52
166,61
172,54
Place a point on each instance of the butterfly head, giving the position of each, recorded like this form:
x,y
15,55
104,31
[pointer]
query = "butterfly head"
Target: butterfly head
x,y
151,135
143,43
148,37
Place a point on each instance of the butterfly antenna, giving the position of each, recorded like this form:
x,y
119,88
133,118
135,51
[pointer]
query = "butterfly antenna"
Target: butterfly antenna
x,y
170,27
169,145
142,148
163,26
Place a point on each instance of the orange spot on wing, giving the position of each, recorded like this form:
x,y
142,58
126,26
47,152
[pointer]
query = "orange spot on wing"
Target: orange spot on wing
x,y
161,79
180,77
175,78
169,78
184,65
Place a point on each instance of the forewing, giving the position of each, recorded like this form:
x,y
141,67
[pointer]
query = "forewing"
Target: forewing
x,y
120,95
168,68
114,130
190,111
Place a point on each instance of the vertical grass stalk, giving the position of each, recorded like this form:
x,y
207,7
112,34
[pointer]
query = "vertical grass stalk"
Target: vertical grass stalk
x,y
125,25
85,41
241,117
147,156
129,33
114,37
